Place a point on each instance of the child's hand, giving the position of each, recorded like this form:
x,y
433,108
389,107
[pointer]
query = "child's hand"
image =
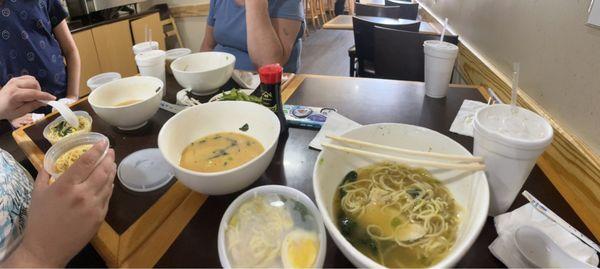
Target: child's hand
x,y
22,121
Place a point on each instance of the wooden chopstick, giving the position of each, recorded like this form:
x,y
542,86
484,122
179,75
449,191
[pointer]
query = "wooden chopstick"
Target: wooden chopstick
x,y
454,166
451,157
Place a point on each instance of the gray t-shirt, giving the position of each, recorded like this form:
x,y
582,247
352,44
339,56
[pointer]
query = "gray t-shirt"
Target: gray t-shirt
x,y
16,185
229,29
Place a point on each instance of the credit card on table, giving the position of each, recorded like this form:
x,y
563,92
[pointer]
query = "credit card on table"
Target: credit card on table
x,y
306,116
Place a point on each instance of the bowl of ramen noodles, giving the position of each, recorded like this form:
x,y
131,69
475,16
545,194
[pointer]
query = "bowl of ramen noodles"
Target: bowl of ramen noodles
x,y
382,213
272,227
59,128
220,147
128,103
67,151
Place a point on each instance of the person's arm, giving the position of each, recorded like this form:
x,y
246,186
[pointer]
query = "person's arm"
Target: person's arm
x,y
209,43
71,53
269,40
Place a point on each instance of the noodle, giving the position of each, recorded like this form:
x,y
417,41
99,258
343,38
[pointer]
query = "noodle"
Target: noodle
x,y
397,215
67,159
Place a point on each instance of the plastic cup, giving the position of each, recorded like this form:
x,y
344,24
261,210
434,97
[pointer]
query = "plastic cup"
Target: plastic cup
x,y
101,79
152,64
175,54
69,143
144,47
439,63
510,144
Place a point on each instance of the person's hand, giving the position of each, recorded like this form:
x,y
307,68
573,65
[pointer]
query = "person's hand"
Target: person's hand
x,y
22,121
20,96
64,216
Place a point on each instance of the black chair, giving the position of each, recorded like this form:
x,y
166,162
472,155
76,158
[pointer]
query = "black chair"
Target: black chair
x,y
377,11
409,11
399,54
364,40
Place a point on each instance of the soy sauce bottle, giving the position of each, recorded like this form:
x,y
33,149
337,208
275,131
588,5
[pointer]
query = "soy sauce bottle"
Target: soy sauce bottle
x,y
270,91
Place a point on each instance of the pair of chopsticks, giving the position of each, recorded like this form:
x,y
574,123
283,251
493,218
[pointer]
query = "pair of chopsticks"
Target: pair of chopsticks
x,y
445,161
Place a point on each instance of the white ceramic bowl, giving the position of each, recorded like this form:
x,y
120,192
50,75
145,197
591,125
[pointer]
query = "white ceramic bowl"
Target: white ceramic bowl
x,y
196,122
272,189
104,101
203,72
469,189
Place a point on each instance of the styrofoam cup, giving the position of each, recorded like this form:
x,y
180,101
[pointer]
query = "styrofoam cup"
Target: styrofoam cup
x,y
509,153
144,47
152,64
439,63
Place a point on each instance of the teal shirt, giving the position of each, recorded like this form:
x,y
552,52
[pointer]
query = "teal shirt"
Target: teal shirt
x,y
229,29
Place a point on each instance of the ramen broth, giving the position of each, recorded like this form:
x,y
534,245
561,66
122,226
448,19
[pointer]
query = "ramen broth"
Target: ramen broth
x,y
220,152
128,102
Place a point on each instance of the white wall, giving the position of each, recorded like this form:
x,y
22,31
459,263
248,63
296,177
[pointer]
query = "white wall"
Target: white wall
x,y
191,29
559,54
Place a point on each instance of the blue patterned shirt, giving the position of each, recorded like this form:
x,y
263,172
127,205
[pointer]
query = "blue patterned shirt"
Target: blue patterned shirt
x,y
16,185
28,45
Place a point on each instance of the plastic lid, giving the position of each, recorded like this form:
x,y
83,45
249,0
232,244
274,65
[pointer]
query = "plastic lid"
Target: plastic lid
x,y
150,57
145,170
101,79
176,53
270,74
524,129
440,45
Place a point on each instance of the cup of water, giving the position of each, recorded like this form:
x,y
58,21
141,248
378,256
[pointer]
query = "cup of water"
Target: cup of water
x,y
439,63
510,140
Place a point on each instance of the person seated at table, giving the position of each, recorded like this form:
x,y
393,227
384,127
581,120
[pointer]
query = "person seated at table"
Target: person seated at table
x,y
257,32
35,40
44,225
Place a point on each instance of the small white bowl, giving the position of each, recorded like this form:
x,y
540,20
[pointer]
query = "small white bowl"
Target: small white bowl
x,y
175,54
67,144
148,90
59,119
203,72
196,122
272,189
470,190
101,79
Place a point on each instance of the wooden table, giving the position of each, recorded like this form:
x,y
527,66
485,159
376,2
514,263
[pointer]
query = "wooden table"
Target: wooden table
x,y
365,101
344,22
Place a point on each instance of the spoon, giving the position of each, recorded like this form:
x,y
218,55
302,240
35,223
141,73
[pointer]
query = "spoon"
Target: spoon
x,y
64,111
541,251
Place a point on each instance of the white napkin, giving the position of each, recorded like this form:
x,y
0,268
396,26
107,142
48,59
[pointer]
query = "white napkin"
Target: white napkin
x,y
504,247
335,124
36,117
463,123
245,79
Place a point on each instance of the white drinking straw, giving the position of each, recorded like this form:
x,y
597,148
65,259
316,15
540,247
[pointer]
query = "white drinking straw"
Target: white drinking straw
x,y
515,86
444,30
146,33
149,34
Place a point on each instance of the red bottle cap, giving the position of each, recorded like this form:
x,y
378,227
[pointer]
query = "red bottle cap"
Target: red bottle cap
x,y
270,74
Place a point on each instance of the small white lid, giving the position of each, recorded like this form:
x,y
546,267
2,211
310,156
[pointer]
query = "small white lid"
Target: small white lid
x,y
176,53
440,49
533,132
150,58
101,79
145,170
144,46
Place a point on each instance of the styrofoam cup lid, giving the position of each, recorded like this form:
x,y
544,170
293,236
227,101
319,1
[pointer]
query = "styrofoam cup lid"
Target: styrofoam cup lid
x,y
145,170
152,57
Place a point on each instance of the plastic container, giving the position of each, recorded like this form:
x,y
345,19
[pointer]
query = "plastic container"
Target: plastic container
x,y
273,189
101,79
175,54
152,64
67,144
59,119
509,158
144,47
439,63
